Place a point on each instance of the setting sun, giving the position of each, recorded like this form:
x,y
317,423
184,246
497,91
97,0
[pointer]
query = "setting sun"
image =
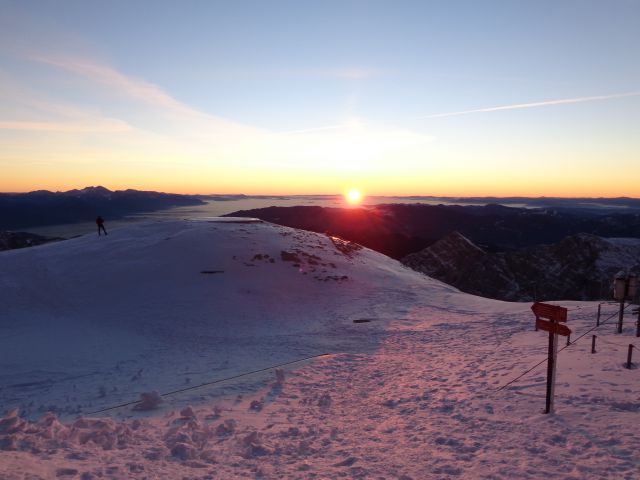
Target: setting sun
x,y
353,196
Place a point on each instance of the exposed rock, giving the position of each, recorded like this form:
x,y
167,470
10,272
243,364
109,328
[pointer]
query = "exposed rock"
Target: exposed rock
x,y
148,401
13,240
580,267
448,259
184,451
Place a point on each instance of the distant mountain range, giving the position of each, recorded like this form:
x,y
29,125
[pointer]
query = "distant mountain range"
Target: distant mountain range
x,y
400,229
492,251
42,207
579,267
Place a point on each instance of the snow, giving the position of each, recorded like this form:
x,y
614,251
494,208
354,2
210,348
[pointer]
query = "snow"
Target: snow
x,y
95,322
624,241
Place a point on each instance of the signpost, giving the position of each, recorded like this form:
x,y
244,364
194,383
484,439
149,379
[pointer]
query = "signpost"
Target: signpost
x,y
548,318
557,328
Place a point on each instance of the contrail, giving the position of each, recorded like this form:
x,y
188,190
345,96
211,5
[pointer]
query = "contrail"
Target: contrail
x,y
313,129
517,106
546,103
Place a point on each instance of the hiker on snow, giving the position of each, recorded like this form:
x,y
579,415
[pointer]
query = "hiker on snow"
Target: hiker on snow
x,y
100,223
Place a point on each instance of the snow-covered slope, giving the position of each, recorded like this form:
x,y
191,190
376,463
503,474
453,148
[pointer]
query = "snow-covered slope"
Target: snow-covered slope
x,y
170,301
413,393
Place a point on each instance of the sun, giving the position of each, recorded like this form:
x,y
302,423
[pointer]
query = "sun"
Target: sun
x,y
353,196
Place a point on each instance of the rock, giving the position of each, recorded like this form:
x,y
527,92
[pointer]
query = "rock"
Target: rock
x,y
148,401
226,428
347,462
187,412
66,472
8,443
184,451
324,401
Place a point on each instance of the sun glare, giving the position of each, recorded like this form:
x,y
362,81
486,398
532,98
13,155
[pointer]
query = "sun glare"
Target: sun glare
x,y
353,196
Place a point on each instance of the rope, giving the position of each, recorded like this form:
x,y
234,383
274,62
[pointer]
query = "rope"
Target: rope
x,y
596,327
212,382
566,346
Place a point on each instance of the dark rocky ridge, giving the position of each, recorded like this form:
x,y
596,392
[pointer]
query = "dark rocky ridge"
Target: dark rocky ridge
x,y
493,251
13,240
579,267
400,229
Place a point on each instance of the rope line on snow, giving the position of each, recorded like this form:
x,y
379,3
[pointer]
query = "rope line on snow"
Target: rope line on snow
x,y
566,346
212,382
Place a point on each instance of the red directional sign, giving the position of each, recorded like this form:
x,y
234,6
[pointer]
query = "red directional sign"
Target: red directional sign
x,y
548,326
550,312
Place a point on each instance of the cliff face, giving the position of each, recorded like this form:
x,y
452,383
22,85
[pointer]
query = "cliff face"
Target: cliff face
x,y
580,267
448,260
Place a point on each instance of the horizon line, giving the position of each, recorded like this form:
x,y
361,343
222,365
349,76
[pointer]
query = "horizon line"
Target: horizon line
x,y
515,196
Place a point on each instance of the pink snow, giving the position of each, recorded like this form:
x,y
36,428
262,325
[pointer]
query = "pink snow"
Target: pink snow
x,y
96,322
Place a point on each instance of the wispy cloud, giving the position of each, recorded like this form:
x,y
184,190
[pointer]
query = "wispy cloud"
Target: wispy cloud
x,y
546,103
138,89
352,124
351,73
160,128
180,116
27,110
113,126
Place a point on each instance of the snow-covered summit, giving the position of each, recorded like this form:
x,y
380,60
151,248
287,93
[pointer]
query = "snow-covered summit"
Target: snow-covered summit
x,y
166,297
411,393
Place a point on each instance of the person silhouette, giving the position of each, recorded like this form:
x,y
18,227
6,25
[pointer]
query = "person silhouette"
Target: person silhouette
x,y
100,223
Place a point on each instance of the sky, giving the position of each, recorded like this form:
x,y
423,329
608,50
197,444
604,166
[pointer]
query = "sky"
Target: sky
x,y
458,98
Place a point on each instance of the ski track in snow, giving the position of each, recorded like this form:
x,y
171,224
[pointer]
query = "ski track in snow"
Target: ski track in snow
x,y
412,394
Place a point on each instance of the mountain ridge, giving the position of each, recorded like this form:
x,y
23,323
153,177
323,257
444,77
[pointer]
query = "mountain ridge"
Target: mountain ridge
x,y
579,267
43,208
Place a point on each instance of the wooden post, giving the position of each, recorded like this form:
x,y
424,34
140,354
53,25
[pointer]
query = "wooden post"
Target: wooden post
x,y
598,317
568,340
549,318
551,370
638,323
593,343
620,316
629,356
536,324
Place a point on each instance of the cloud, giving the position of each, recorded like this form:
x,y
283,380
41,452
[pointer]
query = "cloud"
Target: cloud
x,y
546,103
93,126
26,110
155,111
138,89
351,73
161,130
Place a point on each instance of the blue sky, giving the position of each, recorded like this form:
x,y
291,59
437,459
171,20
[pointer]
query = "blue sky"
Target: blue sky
x,y
330,94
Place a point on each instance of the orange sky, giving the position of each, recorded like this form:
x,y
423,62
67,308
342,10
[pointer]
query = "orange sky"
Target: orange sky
x,y
546,108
